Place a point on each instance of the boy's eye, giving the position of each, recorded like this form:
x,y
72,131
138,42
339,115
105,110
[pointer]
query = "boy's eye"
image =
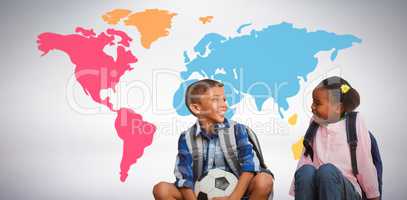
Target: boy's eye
x,y
218,99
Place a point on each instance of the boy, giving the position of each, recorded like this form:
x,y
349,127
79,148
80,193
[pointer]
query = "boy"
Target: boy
x,y
206,100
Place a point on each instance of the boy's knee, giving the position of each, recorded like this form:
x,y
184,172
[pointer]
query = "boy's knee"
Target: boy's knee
x,y
327,171
306,172
262,183
161,190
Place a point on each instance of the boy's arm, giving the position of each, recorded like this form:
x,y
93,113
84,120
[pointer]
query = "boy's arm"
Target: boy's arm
x,y
242,185
187,193
249,163
183,170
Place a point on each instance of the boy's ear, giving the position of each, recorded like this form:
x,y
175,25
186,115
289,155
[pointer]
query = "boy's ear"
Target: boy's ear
x,y
195,108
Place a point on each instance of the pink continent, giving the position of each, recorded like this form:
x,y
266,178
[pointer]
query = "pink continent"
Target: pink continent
x,y
95,70
136,135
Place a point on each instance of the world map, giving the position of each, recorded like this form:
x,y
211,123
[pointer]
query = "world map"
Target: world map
x,y
272,61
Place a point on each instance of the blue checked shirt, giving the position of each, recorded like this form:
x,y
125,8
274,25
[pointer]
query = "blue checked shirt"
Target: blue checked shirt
x,y
213,155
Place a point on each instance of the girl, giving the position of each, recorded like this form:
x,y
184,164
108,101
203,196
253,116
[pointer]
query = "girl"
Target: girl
x,y
326,173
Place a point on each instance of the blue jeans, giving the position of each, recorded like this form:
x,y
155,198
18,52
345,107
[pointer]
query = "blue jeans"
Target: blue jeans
x,y
325,183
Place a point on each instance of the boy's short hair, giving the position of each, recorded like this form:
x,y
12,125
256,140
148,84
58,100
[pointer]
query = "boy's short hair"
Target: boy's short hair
x,y
195,91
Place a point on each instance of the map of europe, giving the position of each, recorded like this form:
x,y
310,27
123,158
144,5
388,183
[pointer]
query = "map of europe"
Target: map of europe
x,y
271,60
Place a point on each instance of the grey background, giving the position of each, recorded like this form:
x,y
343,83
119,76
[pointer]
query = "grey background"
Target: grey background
x,y
49,151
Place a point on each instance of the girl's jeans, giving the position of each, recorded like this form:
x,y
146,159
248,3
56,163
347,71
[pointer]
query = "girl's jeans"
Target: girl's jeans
x,y
325,183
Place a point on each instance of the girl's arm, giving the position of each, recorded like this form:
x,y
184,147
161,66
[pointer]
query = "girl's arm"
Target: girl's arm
x,y
367,176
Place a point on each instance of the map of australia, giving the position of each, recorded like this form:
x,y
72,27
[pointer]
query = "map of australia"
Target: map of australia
x,y
95,70
266,63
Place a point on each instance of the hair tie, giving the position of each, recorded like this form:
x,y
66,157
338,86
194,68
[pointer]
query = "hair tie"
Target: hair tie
x,y
345,88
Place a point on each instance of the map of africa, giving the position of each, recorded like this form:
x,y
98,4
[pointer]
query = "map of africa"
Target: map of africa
x,y
271,60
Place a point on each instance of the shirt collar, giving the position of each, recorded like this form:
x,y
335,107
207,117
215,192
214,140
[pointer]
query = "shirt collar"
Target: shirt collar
x,y
217,126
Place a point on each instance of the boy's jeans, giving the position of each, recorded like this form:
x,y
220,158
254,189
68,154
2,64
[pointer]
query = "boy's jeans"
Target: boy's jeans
x,y
325,183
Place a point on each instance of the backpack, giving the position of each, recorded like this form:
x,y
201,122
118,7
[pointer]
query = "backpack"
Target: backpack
x,y
229,148
353,142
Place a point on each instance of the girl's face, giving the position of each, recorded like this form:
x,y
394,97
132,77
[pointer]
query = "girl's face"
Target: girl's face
x,y
325,110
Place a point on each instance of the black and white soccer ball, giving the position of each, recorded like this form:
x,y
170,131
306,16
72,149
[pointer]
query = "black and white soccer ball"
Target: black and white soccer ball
x,y
216,183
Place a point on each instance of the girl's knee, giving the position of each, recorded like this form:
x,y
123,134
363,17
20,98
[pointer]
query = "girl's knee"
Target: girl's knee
x,y
306,171
327,171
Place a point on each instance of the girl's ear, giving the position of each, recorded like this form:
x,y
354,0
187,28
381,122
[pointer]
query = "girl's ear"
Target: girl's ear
x,y
195,108
340,109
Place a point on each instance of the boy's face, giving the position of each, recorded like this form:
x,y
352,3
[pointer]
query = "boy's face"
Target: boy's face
x,y
324,109
212,105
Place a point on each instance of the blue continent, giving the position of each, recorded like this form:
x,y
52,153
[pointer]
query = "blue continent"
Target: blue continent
x,y
239,30
267,63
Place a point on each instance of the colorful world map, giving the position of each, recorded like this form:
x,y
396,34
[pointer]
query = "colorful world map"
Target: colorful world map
x,y
272,62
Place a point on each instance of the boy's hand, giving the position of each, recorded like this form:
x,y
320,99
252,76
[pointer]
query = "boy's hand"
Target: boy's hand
x,y
221,198
224,198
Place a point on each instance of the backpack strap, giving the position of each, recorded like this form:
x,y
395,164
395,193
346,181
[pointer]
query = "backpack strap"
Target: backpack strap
x,y
352,139
195,146
228,144
256,146
308,139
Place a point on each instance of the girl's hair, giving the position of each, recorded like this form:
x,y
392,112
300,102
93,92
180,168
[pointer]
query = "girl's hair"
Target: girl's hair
x,y
340,91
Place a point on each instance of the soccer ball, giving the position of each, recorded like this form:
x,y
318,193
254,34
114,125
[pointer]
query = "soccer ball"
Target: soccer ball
x,y
217,183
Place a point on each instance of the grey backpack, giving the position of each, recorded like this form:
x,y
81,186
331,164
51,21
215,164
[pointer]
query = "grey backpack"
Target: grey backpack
x,y
228,144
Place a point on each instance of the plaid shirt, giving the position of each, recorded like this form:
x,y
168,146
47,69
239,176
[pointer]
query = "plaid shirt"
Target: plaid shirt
x,y
213,155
